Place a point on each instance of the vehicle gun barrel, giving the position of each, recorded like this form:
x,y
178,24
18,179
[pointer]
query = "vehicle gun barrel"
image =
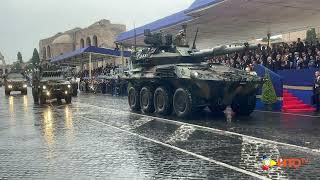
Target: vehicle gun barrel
x,y
222,50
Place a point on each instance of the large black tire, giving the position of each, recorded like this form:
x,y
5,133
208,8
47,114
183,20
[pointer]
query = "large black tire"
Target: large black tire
x,y
75,91
182,102
162,101
146,100
68,99
244,105
35,96
133,99
24,92
7,92
43,100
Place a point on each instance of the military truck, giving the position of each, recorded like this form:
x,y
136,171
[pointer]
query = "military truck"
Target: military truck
x,y
15,81
168,78
52,85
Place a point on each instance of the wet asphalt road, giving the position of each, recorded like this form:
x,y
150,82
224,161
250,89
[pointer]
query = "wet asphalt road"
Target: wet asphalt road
x,y
97,137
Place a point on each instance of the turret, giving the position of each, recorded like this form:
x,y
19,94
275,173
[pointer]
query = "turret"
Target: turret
x,y
162,50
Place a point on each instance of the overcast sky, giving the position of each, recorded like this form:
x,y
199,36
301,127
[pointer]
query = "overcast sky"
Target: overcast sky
x,y
24,22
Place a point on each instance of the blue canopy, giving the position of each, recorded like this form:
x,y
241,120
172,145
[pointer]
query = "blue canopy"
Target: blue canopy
x,y
198,4
167,21
156,25
91,49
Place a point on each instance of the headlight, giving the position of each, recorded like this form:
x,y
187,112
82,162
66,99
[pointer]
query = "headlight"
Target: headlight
x,y
25,86
194,74
66,92
69,86
48,93
10,86
44,87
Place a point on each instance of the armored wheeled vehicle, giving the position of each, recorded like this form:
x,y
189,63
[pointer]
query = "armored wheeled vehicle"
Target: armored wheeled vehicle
x,y
15,81
51,85
168,77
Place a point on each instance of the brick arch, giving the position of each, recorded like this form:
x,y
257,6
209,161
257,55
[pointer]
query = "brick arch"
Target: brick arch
x,y
88,42
95,41
81,43
44,53
48,52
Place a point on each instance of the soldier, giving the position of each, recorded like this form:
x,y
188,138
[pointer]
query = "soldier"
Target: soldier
x,y
35,85
181,39
316,90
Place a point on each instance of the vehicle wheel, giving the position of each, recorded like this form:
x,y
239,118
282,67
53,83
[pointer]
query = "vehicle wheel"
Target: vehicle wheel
x,y
133,99
35,97
75,92
42,100
217,108
182,102
244,105
59,100
162,101
24,92
146,100
68,99
7,93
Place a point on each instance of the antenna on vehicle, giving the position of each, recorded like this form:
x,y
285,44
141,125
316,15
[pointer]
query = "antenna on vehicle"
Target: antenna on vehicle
x,y
135,37
195,39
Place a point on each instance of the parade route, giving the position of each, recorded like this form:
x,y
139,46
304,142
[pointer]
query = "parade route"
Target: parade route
x,y
98,137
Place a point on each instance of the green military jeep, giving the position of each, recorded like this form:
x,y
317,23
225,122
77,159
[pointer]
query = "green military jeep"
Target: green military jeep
x,y
15,82
52,85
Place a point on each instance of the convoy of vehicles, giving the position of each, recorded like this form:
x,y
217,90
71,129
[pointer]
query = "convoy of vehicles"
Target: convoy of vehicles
x,y
168,76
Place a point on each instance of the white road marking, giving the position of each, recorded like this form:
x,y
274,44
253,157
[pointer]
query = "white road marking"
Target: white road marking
x,y
181,134
220,131
184,151
137,123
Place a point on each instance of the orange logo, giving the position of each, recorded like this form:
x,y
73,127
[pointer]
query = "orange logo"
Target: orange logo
x,y
268,163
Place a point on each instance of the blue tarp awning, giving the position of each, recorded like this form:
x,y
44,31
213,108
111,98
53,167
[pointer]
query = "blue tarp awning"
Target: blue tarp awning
x,y
198,4
91,49
156,25
168,21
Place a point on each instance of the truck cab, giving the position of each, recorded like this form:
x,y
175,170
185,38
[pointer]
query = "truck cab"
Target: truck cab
x,y
53,85
15,82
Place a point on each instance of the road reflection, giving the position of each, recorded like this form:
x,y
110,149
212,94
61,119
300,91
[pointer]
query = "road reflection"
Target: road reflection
x,y
69,123
48,126
25,104
12,111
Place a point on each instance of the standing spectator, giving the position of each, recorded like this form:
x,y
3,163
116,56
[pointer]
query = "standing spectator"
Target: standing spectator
x,y
312,62
316,90
317,62
270,64
300,46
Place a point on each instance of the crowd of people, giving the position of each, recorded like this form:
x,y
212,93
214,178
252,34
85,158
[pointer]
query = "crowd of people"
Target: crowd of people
x,y
281,56
104,80
100,71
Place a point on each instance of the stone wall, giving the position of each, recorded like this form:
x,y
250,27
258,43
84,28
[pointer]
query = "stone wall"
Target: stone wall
x,y
101,34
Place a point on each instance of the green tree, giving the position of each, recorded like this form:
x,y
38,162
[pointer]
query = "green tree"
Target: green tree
x,y
268,93
16,66
19,57
35,60
311,36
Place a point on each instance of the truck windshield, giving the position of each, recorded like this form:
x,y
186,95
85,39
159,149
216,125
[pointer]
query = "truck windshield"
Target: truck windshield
x,y
15,76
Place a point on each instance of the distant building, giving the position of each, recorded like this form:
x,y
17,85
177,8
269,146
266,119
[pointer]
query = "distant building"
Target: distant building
x,y
101,34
